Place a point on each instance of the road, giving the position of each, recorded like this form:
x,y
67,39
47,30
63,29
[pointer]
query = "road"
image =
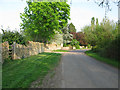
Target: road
x,y
82,71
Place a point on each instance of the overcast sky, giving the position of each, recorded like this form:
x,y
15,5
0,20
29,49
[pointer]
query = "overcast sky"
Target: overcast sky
x,y
81,13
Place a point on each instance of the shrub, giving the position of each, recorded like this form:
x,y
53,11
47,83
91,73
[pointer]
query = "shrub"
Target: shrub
x,y
64,45
13,36
113,49
89,46
75,43
77,46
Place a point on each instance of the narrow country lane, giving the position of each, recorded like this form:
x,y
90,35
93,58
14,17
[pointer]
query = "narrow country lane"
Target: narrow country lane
x,y
82,71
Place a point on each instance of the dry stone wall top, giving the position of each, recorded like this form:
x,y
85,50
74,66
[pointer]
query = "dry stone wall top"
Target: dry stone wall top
x,y
22,51
18,51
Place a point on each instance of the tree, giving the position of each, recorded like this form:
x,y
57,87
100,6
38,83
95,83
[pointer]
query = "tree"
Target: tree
x,y
0,38
67,37
75,43
13,36
57,39
80,36
40,20
89,36
106,4
102,35
74,35
97,23
92,23
71,28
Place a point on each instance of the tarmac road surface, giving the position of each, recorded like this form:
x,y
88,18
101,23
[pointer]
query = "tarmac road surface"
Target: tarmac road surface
x,y
82,71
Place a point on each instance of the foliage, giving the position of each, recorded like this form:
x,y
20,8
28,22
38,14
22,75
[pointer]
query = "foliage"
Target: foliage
x,y
71,28
74,35
80,36
40,20
102,34
77,46
107,4
89,46
0,38
102,37
58,38
103,59
21,73
75,43
97,23
67,37
113,48
92,23
14,36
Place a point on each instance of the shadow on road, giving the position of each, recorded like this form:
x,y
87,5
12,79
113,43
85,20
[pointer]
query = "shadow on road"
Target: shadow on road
x,y
79,51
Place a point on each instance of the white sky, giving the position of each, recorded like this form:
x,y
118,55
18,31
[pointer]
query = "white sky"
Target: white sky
x,y
81,13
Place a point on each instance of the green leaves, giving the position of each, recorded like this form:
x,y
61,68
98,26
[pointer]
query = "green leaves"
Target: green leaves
x,y
75,43
67,37
71,28
42,18
13,36
103,37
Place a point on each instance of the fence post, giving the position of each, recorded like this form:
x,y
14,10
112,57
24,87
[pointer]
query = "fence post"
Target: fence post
x,y
14,54
42,47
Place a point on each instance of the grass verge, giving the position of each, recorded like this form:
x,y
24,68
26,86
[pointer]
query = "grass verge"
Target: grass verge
x,y
21,73
60,50
103,59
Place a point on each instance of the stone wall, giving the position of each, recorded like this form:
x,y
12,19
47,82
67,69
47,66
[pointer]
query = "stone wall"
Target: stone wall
x,y
4,51
18,51
52,47
22,51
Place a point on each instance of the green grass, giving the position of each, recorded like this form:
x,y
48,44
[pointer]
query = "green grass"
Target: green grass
x,y
21,73
60,50
103,59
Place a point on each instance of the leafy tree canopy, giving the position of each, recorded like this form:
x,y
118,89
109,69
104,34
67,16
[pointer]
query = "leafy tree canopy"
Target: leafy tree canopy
x,y
101,34
40,20
67,37
71,28
80,36
57,39
75,43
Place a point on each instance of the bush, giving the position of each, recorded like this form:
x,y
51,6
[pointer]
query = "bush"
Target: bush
x,y
89,46
113,49
64,45
13,36
110,51
75,43
77,46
